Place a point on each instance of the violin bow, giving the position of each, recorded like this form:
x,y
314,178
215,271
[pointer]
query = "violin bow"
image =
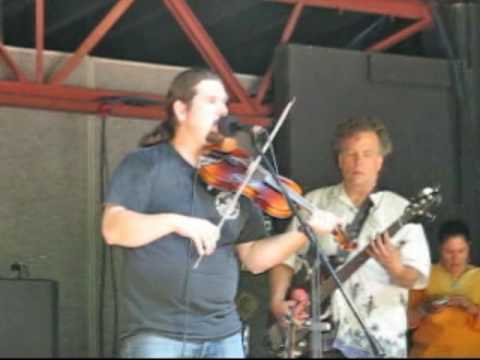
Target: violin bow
x,y
252,168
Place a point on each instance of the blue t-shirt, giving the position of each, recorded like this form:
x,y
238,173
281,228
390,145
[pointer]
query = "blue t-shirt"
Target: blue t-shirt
x,y
159,285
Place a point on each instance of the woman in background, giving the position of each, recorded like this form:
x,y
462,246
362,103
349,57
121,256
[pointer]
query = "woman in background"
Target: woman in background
x,y
445,317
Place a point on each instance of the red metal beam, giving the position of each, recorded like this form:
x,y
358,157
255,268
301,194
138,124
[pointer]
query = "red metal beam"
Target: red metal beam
x,y
401,35
287,34
149,113
69,98
79,93
79,99
209,51
409,9
76,93
11,63
91,41
39,38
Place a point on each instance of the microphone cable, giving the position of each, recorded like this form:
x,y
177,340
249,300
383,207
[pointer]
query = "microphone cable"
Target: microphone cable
x,y
107,253
186,285
257,148
274,162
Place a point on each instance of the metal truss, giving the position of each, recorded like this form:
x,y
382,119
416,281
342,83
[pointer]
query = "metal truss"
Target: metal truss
x,y
51,94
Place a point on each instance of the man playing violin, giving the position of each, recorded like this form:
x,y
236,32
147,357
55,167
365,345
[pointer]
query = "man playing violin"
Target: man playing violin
x,y
379,288
165,218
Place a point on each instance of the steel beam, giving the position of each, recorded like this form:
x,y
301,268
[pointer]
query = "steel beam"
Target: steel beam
x,y
91,41
401,35
287,34
80,99
19,74
209,51
80,107
409,9
39,38
84,10
55,96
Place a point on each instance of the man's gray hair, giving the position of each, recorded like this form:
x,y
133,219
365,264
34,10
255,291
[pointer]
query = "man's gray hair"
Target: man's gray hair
x,y
355,125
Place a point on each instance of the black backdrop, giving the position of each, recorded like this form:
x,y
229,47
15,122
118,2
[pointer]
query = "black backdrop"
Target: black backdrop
x,y
412,95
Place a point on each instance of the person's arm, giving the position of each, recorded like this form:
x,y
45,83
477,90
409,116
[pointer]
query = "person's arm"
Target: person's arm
x,y
470,307
127,228
405,276
280,278
261,255
464,303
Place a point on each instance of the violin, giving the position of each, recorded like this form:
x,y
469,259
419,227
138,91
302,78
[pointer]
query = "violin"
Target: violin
x,y
223,166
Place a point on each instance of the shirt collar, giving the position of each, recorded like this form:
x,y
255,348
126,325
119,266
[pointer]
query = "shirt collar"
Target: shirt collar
x,y
375,197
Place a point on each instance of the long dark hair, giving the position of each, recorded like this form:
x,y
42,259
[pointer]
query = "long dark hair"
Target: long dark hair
x,y
183,88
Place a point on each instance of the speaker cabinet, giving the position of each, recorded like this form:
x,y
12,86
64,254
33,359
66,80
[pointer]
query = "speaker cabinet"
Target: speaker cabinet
x,y
28,324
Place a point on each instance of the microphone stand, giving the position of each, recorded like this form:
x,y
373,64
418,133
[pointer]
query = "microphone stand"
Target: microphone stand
x,y
317,258
316,335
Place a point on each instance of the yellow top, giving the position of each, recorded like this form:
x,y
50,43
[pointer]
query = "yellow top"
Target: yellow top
x,y
450,332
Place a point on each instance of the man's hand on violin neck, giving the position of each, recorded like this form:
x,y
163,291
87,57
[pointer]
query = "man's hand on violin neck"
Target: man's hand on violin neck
x,y
324,222
203,233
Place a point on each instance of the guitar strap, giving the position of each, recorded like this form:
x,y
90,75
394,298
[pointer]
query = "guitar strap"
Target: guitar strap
x,y
355,227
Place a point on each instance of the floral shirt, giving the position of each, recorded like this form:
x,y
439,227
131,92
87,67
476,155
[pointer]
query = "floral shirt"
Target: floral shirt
x,y
381,304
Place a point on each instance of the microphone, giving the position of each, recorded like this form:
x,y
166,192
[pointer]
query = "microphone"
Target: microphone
x,y
229,125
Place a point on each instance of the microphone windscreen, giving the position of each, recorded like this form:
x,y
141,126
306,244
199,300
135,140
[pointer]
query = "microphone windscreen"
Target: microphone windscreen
x,y
228,125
